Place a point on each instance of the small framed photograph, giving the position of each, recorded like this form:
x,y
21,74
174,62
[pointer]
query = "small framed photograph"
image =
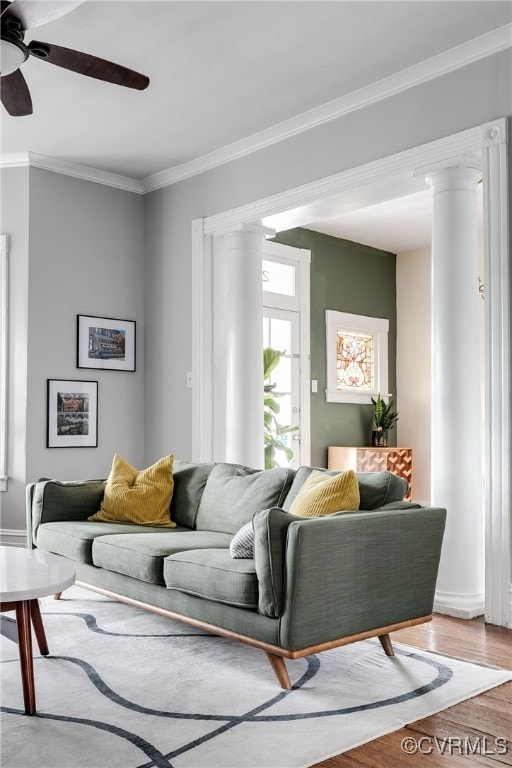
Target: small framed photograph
x,y
72,414
103,342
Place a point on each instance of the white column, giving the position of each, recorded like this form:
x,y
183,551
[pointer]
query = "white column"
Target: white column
x,y
457,481
244,349
498,372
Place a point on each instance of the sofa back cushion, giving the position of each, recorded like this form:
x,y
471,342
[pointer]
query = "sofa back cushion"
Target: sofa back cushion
x,y
234,493
375,488
189,483
379,488
57,500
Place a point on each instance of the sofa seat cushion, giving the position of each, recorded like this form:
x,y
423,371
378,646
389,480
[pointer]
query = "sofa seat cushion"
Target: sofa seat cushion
x,y
74,539
234,493
213,575
142,556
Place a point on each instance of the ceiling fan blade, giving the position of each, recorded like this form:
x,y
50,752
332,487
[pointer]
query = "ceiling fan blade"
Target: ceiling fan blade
x,y
33,13
15,94
85,64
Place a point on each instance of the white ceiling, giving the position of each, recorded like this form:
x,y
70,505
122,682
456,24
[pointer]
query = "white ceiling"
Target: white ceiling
x,y
220,71
399,226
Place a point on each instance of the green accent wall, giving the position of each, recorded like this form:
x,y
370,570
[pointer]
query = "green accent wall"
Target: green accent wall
x,y
346,277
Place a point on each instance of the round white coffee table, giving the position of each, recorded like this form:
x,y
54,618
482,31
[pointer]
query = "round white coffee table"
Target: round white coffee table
x,y
25,575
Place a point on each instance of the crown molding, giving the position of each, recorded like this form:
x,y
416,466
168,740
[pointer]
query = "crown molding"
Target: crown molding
x,y
85,172
486,45
462,55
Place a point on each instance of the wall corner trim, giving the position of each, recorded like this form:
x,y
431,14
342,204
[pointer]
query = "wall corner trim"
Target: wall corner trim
x,y
84,172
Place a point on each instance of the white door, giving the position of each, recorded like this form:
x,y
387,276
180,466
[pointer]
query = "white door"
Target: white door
x,y
285,277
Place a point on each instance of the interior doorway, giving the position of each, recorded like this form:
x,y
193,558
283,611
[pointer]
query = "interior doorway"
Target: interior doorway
x,y
394,176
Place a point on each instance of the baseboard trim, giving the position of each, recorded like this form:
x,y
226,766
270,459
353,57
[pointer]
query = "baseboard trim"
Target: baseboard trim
x,y
461,606
11,537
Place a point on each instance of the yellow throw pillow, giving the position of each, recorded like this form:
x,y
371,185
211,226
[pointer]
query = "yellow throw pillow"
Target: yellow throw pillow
x,y
141,498
324,494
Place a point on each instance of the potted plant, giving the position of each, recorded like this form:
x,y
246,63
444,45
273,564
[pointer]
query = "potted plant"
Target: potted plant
x,y
384,419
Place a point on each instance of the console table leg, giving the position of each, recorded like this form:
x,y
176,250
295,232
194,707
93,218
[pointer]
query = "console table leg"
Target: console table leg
x,y
38,625
23,615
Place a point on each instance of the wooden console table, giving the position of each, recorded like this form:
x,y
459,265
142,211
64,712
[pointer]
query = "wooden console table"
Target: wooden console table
x,y
369,459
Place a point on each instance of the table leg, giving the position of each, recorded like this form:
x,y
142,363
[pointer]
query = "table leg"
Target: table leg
x,y
23,613
38,625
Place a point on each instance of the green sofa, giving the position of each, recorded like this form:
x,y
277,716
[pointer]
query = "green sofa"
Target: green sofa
x,y
312,584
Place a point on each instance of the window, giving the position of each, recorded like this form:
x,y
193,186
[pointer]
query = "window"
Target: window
x,y
278,277
357,357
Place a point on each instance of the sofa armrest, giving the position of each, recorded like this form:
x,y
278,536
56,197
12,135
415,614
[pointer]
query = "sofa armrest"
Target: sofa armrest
x,y
53,500
270,530
350,573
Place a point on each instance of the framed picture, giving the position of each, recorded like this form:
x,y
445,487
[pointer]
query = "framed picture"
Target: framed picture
x,y
72,414
103,342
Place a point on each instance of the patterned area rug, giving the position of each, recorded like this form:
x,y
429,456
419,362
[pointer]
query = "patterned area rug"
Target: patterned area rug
x,y
124,687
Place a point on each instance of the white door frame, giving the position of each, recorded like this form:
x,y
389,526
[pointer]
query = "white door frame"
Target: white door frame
x,y
300,206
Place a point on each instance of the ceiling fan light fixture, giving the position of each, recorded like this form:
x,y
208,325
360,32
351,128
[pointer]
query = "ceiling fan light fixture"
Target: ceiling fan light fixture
x,y
13,53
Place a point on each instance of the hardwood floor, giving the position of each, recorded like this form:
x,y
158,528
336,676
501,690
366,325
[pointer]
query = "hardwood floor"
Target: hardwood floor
x,y
476,722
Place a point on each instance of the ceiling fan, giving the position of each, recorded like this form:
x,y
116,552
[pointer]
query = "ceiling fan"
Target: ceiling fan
x,y
21,15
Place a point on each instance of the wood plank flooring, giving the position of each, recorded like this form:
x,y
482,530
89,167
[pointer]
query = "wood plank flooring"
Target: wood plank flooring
x,y
477,722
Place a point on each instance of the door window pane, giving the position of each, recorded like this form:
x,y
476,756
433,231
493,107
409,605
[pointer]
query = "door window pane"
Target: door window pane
x,y
278,277
277,334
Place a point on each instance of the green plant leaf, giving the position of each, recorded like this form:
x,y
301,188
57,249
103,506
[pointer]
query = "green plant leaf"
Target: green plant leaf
x,y
271,358
272,404
384,415
285,430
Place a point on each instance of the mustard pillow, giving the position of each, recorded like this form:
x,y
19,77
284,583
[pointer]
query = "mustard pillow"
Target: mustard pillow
x,y
323,494
141,498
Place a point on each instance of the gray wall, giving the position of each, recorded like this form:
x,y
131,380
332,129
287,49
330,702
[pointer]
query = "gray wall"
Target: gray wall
x,y
346,277
459,100
85,257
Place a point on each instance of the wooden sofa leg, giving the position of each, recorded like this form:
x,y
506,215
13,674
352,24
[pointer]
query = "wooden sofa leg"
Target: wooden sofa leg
x,y
279,667
385,641
57,595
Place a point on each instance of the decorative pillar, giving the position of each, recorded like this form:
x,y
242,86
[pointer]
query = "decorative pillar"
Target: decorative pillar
x,y
457,434
244,348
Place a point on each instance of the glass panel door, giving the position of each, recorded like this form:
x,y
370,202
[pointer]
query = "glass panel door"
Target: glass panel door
x,y
282,428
